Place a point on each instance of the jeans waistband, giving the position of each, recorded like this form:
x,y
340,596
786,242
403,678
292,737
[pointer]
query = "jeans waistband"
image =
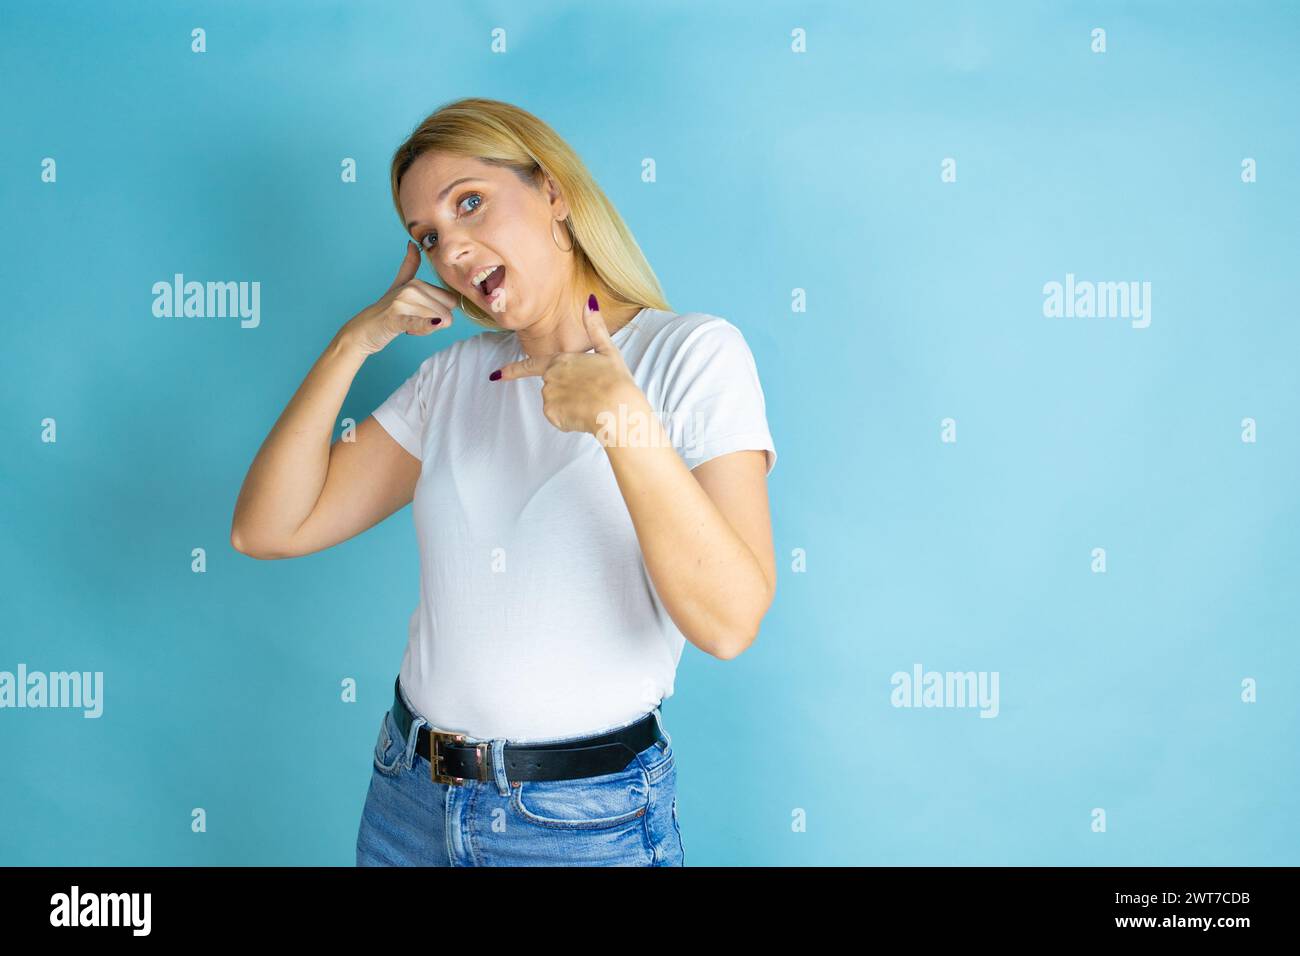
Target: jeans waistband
x,y
468,758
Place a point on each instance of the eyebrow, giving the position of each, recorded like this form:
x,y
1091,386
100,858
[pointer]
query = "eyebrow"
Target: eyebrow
x,y
443,195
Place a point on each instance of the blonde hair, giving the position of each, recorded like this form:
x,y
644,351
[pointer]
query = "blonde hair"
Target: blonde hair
x,y
507,136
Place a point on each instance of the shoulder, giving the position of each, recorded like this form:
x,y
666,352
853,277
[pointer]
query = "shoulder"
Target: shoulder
x,y
693,341
677,335
681,325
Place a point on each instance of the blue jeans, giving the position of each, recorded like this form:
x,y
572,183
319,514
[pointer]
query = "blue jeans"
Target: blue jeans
x,y
626,818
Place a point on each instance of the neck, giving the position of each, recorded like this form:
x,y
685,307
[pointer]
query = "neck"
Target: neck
x,y
562,329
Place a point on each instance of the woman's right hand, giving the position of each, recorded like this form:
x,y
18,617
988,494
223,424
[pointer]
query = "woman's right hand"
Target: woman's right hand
x,y
411,306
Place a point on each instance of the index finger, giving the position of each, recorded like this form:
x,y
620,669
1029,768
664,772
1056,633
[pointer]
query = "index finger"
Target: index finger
x,y
533,365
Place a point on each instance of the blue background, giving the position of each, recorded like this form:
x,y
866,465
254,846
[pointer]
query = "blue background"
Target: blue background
x,y
776,171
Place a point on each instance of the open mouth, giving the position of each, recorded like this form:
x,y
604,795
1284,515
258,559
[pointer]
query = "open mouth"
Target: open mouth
x,y
492,283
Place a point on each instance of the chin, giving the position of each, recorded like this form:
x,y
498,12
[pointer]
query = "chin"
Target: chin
x,y
502,319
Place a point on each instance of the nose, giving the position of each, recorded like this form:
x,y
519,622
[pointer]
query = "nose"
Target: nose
x,y
457,259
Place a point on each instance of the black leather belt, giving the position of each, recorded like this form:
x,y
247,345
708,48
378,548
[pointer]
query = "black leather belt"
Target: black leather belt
x,y
454,762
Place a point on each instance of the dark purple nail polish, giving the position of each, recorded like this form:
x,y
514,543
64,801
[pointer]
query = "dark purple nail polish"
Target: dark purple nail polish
x,y
592,303
495,375
434,321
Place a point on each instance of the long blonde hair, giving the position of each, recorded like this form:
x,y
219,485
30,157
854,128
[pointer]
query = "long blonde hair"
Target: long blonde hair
x,y
510,137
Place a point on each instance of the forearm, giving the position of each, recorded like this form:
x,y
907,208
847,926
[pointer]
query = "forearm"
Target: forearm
x,y
286,478
709,580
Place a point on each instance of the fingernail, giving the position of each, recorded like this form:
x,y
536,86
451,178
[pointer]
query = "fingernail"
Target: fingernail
x,y
434,321
495,375
592,303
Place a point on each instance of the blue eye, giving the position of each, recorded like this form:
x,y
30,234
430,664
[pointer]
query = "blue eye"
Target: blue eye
x,y
466,198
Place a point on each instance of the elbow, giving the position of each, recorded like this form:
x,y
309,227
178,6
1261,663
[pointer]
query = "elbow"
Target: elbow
x,y
240,544
733,649
253,550
736,645
742,637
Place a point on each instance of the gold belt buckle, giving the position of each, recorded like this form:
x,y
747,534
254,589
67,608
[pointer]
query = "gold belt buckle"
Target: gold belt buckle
x,y
436,757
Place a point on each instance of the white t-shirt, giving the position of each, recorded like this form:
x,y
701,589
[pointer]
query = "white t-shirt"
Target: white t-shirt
x,y
537,617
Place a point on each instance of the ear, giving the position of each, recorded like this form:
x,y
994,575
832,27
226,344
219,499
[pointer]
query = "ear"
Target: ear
x,y
559,206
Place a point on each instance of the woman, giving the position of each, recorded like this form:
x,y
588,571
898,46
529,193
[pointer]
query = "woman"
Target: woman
x,y
560,576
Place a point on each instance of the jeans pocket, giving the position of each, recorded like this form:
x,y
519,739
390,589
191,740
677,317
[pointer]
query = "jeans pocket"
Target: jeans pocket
x,y
658,762
389,748
602,802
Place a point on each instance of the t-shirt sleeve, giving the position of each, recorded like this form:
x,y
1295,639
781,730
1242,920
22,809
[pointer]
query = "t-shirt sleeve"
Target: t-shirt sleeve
x,y
713,399
404,413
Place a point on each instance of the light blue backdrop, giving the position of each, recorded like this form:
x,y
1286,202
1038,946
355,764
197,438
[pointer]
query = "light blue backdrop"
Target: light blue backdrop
x,y
777,171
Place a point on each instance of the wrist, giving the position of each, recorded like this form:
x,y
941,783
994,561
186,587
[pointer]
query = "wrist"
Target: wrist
x,y
628,420
630,397
347,344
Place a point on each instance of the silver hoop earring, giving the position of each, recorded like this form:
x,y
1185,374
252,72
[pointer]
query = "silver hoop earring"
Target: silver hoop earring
x,y
557,241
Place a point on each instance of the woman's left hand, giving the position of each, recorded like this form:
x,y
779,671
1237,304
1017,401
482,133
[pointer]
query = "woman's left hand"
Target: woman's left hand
x,y
578,386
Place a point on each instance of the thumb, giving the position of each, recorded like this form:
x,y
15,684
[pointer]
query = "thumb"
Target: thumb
x,y
596,330
410,266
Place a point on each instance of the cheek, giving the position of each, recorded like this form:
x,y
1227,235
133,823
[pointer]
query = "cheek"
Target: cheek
x,y
535,264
